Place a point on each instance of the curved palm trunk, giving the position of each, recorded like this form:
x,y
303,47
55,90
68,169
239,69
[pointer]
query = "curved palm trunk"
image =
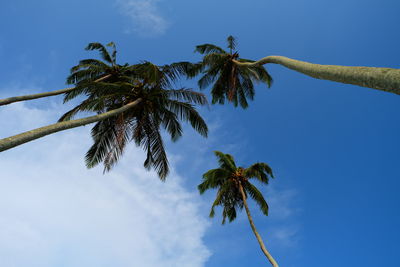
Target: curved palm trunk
x,y
253,227
25,137
385,79
13,99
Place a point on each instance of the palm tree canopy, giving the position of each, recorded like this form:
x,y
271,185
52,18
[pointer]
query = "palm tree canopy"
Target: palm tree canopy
x,y
229,81
227,179
160,107
89,70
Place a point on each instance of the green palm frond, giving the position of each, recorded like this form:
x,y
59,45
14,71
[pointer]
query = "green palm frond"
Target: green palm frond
x,y
114,52
187,112
90,104
156,156
225,161
217,202
261,171
209,48
187,95
122,134
87,74
213,179
257,196
104,135
171,123
209,77
103,51
176,70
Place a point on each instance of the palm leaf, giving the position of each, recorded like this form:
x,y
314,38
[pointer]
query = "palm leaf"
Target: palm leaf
x,y
103,51
257,196
209,48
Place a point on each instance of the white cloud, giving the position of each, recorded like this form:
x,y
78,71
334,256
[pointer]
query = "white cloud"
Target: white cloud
x,y
145,16
55,212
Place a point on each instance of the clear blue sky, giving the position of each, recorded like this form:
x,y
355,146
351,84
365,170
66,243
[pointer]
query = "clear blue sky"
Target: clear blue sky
x,y
334,147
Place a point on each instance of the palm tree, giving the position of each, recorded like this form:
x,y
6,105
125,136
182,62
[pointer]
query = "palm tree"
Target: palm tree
x,y
133,107
220,66
233,189
160,107
87,69
230,81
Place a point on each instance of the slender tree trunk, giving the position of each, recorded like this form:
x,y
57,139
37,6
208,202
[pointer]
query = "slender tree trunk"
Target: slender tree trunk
x,y
253,227
385,79
25,137
13,99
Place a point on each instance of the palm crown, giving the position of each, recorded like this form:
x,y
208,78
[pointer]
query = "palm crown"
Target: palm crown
x,y
229,80
89,70
228,179
159,107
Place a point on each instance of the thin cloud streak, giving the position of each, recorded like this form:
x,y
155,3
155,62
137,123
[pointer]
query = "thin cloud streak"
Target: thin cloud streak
x,y
145,16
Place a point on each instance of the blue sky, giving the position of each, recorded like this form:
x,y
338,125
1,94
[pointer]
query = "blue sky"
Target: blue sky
x,y
333,147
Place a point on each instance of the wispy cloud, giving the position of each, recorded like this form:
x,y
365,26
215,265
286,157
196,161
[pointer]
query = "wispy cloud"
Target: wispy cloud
x,y
55,212
145,16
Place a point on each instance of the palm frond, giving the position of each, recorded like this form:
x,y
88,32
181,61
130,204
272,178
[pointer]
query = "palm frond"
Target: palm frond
x,y
103,134
156,156
217,202
209,48
171,124
114,52
103,51
122,136
187,112
225,161
89,63
88,74
257,196
259,170
187,95
213,179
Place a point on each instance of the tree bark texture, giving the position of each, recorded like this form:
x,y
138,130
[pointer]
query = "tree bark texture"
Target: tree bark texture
x,y
385,79
13,99
25,137
253,227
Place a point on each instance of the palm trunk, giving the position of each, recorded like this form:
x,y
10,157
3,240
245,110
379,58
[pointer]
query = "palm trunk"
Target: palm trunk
x,y
25,137
253,227
13,99
385,79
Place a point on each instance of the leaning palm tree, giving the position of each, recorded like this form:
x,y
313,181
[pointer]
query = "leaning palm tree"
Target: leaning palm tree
x,y
230,81
87,69
133,107
233,184
385,79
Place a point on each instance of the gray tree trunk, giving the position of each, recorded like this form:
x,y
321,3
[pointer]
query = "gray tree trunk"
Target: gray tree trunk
x,y
385,79
253,227
13,99
25,137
